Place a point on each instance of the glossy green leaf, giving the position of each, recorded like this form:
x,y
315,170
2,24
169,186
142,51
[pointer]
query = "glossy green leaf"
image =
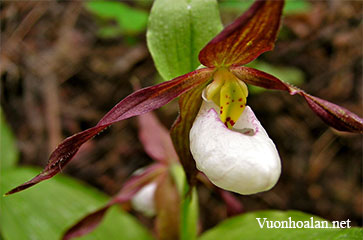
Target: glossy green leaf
x,y
291,75
46,211
8,151
177,31
130,20
247,227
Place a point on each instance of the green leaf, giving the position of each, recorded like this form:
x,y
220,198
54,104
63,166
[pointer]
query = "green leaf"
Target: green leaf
x,y
291,75
189,215
130,20
189,205
109,32
46,211
178,31
247,227
238,6
291,6
297,6
8,152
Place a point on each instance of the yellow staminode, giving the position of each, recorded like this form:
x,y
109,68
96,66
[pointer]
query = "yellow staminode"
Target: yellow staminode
x,y
229,93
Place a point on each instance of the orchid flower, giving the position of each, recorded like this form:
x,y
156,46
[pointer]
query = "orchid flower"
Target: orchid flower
x,y
222,81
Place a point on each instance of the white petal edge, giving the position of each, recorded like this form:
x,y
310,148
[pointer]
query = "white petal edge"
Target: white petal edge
x,y
143,201
242,160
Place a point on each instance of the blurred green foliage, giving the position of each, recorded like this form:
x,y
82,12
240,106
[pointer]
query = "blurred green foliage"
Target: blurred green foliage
x,y
8,152
238,6
47,210
118,18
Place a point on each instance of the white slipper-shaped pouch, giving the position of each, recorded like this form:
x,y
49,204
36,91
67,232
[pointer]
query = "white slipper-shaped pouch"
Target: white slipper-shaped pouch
x,y
242,159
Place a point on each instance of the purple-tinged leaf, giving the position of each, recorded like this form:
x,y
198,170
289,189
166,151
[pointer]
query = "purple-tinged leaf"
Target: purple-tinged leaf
x,y
156,139
246,38
137,103
332,114
167,202
87,224
189,105
131,187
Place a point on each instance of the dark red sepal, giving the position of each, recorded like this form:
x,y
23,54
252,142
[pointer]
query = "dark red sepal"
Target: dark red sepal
x,y
246,38
332,114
